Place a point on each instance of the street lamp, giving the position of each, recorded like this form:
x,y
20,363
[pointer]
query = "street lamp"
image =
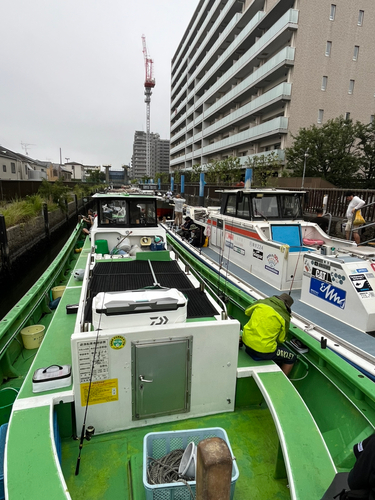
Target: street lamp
x,y
304,167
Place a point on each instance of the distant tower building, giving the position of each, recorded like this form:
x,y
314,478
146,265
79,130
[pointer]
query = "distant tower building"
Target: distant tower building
x,y
159,155
162,155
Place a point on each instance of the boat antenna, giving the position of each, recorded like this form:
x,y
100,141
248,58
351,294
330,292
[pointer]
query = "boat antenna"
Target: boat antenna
x,y
226,276
295,269
90,430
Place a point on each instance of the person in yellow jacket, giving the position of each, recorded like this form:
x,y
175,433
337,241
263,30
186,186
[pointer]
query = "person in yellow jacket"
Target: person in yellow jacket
x,y
266,330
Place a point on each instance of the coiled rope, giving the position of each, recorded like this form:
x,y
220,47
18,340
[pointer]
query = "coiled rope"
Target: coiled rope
x,y
165,470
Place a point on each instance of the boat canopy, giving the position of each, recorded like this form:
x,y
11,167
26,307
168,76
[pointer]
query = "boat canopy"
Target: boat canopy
x,y
125,210
268,204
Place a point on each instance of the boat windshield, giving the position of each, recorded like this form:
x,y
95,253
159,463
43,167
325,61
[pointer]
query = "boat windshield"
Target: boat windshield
x,y
127,213
265,207
291,206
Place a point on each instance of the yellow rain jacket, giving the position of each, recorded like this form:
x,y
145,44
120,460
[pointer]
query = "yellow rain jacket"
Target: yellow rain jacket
x,y
268,325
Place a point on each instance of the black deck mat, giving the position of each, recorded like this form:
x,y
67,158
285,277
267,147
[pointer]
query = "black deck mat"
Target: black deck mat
x,y
134,275
198,304
132,267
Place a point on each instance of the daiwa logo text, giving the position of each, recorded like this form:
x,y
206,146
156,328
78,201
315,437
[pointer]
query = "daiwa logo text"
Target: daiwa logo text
x,y
328,292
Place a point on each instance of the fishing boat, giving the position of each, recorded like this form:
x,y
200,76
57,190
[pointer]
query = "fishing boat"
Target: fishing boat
x,y
142,357
258,237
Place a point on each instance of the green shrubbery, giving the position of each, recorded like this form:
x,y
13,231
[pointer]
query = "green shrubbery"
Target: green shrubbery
x,y
20,211
55,194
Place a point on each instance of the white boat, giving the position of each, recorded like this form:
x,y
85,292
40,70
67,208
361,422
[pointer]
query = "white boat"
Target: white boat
x,y
259,237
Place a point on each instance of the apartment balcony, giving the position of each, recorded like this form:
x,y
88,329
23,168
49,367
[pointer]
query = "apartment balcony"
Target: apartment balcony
x,y
283,58
276,35
177,70
178,122
228,53
188,39
209,55
276,126
278,93
276,63
178,147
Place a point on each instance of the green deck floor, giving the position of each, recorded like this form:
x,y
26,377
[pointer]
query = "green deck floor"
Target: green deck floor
x,y
106,460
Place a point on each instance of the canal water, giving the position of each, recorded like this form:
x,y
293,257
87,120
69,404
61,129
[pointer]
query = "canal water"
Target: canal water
x,y
29,268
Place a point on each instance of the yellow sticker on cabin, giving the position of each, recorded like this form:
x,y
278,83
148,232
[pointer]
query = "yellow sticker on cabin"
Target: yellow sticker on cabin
x,y
102,391
117,342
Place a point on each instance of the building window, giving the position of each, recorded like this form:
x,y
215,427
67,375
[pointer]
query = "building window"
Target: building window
x,y
333,12
328,49
360,17
324,82
13,168
351,87
347,115
4,168
356,52
320,115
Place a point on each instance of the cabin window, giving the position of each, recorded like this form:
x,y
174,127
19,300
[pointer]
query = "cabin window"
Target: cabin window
x,y
131,212
243,208
291,207
230,208
265,207
142,212
13,168
113,212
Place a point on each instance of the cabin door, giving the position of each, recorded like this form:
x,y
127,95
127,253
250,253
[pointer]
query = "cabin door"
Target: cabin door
x,y
161,373
217,234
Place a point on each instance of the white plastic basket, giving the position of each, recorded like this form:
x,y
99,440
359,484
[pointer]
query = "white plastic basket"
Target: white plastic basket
x,y
158,444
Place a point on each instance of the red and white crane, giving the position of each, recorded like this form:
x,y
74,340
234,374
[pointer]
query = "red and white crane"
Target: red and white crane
x,y
149,85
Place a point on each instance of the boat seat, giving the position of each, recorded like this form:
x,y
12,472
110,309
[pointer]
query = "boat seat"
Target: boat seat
x,y
303,456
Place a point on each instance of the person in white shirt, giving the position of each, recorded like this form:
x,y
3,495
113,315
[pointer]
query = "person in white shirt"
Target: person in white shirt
x,y
178,207
355,203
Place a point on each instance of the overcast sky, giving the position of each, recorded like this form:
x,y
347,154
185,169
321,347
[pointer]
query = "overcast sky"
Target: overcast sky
x,y
72,75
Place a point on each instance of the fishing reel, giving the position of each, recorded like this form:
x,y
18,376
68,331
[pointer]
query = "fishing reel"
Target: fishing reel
x,y
90,431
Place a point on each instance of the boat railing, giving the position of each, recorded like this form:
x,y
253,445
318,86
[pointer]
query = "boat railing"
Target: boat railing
x,y
371,224
203,282
329,222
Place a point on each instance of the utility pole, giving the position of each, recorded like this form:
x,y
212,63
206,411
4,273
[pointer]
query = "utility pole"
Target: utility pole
x,y
149,85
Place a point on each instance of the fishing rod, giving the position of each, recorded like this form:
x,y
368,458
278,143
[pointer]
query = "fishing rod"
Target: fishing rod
x,y
89,432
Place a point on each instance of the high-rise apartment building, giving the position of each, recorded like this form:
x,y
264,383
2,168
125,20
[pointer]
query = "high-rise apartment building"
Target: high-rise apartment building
x,y
248,74
159,155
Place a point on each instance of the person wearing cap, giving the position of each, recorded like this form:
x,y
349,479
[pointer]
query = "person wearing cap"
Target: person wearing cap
x,y
355,203
266,330
184,232
362,475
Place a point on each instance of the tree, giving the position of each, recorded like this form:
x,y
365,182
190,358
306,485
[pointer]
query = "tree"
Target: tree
x,y
195,173
56,192
96,177
330,152
264,167
366,148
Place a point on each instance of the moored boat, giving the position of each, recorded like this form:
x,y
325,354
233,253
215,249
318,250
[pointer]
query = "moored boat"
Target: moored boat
x,y
259,236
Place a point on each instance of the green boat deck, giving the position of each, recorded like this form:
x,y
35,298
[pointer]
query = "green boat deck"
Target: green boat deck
x,y
270,418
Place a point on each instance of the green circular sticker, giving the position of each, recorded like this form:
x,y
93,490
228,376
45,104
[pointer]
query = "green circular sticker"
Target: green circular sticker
x,y
117,342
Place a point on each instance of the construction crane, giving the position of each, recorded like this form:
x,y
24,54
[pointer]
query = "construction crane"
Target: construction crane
x,y
149,85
